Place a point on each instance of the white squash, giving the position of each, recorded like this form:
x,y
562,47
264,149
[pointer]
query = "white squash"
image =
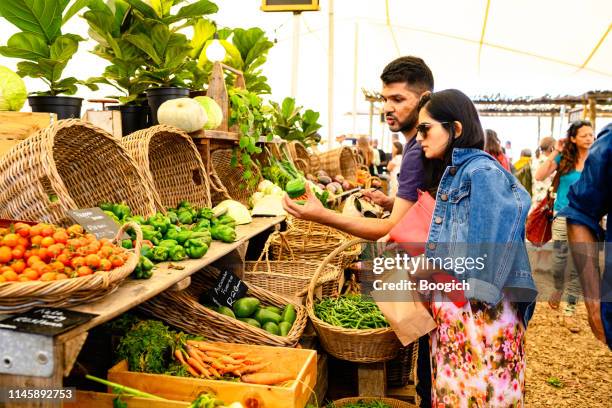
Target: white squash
x,y
236,210
183,113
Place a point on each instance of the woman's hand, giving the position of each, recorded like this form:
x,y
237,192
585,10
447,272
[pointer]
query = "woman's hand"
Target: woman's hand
x,y
559,144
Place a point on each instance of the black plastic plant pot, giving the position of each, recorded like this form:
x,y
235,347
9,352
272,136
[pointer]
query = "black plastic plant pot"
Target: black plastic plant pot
x,y
65,107
157,96
133,117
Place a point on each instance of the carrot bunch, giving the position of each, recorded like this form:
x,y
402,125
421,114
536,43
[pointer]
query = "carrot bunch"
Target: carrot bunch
x,y
205,360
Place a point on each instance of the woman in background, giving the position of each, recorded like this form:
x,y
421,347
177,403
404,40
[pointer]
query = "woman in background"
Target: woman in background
x,y
493,147
567,159
394,166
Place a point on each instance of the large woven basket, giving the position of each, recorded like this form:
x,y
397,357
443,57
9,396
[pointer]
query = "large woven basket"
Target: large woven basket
x,y
339,161
231,176
17,297
68,165
291,278
356,345
182,309
170,160
311,246
403,367
392,402
309,227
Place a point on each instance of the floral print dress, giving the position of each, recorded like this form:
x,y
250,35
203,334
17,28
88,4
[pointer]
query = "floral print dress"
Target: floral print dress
x,y
478,356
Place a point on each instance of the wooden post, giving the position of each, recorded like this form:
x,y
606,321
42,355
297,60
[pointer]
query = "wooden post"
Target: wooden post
x,y
372,380
218,91
330,78
593,111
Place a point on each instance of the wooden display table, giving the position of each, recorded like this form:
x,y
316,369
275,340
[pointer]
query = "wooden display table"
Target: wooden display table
x,y
131,293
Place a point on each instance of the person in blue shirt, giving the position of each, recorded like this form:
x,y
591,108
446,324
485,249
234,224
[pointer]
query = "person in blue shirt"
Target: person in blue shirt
x,y
589,200
567,160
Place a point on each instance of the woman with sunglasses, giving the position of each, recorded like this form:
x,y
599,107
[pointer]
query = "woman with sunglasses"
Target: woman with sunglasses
x,y
477,350
568,160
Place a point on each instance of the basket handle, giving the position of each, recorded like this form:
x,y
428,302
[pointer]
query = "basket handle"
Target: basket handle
x,y
327,260
136,227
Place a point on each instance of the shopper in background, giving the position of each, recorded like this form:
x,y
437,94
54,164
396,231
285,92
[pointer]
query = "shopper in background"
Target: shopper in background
x,y
540,188
382,166
365,151
522,170
493,147
508,151
568,160
394,167
404,81
477,350
590,198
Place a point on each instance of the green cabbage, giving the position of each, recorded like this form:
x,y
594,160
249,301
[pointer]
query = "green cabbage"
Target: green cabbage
x,y
13,91
213,111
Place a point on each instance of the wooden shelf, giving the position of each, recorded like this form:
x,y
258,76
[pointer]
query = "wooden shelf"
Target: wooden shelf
x,y
131,293
216,135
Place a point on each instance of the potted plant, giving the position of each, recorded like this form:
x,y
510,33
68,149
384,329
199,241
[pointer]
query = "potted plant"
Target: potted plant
x,y
155,34
291,124
45,51
109,25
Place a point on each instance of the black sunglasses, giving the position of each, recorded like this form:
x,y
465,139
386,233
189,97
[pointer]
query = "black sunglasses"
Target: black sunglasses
x,y
423,128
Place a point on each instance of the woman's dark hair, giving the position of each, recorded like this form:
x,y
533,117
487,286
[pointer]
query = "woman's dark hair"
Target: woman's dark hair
x,y
411,70
492,144
451,105
398,147
569,155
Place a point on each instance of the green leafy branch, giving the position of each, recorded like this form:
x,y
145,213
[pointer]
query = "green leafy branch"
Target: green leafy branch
x,y
290,124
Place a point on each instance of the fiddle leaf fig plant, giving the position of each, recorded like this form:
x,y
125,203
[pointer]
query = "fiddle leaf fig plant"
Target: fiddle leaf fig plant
x,y
42,46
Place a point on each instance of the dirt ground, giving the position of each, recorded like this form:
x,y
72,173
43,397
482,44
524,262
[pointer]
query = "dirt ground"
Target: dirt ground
x,y
578,364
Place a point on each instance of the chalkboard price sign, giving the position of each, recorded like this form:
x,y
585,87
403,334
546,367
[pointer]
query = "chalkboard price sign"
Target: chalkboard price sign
x,y
290,5
226,290
46,321
96,222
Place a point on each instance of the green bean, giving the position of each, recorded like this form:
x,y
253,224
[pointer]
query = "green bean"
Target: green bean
x,y
350,311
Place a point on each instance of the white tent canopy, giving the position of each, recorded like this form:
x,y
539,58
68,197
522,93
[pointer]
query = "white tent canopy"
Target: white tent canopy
x,y
510,47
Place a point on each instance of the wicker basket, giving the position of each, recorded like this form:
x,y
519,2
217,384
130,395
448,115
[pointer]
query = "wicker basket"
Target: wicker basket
x,y
218,192
76,162
403,367
18,297
231,177
169,158
291,278
311,246
339,161
309,227
182,309
356,345
392,402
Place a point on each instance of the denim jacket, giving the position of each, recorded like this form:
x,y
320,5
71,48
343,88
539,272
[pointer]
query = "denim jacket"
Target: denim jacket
x,y
480,212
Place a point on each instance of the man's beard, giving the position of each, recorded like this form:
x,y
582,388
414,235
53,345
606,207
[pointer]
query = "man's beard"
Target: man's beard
x,y
408,124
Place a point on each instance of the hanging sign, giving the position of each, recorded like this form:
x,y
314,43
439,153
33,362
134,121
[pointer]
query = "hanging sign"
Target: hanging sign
x,y
290,5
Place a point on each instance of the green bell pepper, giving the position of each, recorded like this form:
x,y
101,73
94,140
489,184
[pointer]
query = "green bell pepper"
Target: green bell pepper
x,y
205,213
184,204
225,220
185,217
202,225
160,222
106,207
172,217
139,219
168,243
127,244
160,254
150,234
222,232
196,248
122,211
146,251
144,269
113,216
204,235
295,187
172,232
177,253
183,236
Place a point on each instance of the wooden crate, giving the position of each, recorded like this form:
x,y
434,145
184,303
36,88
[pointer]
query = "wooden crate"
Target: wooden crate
x,y
6,145
20,125
298,362
89,399
109,120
